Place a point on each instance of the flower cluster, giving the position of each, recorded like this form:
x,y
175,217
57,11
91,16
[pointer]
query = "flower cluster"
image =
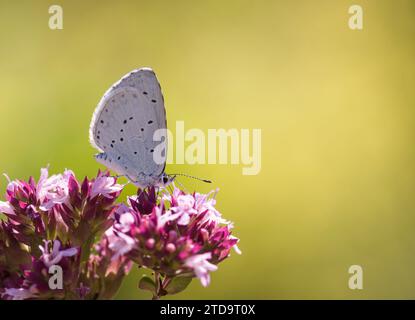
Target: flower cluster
x,y
52,238
65,239
176,235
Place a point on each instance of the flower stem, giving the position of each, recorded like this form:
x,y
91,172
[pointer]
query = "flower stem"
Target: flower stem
x,y
156,295
166,282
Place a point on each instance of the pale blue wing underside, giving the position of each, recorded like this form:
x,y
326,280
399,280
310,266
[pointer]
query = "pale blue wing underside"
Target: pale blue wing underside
x,y
123,125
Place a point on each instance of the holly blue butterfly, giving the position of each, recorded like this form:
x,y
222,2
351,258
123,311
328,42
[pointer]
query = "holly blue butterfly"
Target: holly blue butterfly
x,y
123,126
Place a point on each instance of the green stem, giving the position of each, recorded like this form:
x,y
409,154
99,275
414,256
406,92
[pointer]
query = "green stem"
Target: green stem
x,y
156,295
165,282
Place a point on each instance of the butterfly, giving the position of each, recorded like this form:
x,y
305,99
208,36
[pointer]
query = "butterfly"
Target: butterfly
x,y
123,126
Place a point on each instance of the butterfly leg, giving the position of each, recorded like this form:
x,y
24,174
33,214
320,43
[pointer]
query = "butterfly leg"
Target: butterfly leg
x,y
122,175
181,185
159,190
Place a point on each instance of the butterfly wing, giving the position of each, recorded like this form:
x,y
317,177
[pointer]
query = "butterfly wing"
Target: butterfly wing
x,y
123,125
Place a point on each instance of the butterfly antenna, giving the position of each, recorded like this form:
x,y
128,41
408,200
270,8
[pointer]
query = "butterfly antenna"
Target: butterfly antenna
x,y
192,177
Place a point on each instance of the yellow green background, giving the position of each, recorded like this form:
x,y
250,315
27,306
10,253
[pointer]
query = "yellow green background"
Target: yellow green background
x,y
336,109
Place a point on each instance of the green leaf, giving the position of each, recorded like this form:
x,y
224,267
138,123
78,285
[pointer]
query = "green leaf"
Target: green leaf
x,y
146,283
178,284
111,285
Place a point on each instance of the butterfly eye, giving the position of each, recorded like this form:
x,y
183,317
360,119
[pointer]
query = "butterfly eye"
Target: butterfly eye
x,y
165,179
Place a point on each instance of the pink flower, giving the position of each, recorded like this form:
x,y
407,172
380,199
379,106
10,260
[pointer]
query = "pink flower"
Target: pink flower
x,y
119,243
201,267
164,217
53,190
185,208
235,246
6,208
60,212
174,234
206,203
124,218
105,185
104,263
53,257
188,205
19,293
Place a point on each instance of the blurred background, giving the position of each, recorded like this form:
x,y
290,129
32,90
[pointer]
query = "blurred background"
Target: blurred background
x,y
336,108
